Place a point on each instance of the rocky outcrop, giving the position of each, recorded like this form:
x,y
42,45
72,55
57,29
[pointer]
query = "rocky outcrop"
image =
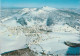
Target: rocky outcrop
x,y
72,44
21,52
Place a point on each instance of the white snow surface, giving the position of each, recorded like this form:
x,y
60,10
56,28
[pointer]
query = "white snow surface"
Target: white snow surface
x,y
13,35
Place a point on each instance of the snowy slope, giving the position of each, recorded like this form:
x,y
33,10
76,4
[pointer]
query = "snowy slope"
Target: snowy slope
x,y
10,39
41,29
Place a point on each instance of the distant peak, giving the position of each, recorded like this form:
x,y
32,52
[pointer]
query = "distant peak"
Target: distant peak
x,y
48,8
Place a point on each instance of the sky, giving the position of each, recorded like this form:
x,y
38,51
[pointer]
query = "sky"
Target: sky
x,y
40,3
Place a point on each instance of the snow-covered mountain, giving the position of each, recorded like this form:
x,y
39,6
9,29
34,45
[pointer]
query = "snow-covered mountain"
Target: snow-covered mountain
x,y
46,15
37,28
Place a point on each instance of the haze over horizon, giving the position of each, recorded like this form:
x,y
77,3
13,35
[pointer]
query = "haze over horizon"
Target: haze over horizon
x,y
40,3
